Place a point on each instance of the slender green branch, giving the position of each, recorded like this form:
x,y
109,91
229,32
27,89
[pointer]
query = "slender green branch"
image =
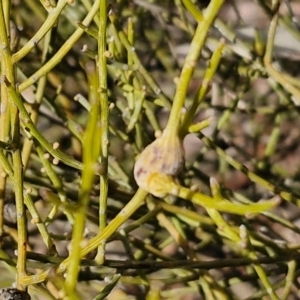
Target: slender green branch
x,y
51,63
211,202
258,268
171,264
277,75
91,149
32,130
138,64
7,69
36,219
190,64
252,176
47,25
104,122
111,228
206,81
27,146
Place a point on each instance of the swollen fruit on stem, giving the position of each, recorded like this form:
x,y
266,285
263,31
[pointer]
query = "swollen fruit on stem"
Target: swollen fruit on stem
x,y
157,165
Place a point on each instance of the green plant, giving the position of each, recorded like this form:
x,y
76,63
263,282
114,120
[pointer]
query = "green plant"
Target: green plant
x,y
74,93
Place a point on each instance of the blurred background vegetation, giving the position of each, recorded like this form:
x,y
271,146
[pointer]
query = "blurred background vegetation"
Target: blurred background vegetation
x,y
169,249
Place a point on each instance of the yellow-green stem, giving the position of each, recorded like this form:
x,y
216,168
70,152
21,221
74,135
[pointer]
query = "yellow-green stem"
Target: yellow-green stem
x,y
47,25
91,151
111,228
206,81
7,70
190,64
64,49
104,123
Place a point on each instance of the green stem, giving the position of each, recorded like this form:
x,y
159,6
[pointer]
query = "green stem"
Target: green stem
x,y
252,176
280,77
206,81
27,145
139,66
47,25
190,64
258,267
7,70
31,128
221,204
110,229
91,151
65,48
104,123
194,11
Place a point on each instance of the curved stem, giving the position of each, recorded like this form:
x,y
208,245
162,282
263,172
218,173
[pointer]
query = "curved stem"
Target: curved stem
x,y
65,48
111,228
